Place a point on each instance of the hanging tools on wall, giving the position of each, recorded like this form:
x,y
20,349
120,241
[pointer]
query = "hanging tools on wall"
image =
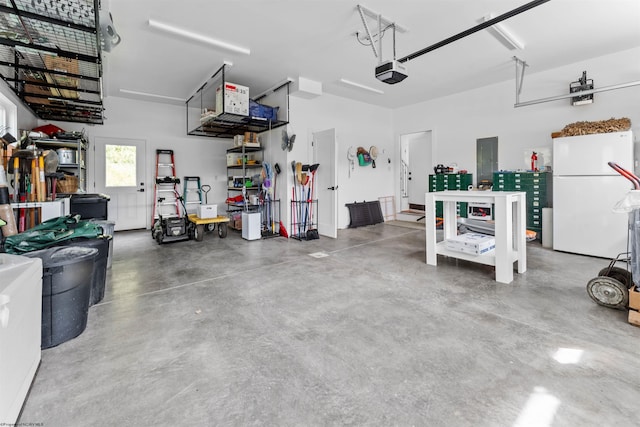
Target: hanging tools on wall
x,y
27,167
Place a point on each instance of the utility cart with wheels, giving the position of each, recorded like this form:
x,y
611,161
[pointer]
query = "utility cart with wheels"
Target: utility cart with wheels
x,y
612,285
200,225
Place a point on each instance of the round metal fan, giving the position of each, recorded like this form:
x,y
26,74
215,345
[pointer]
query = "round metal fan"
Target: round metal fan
x,y
287,141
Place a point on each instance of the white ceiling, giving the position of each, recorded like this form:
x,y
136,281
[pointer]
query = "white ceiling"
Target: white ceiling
x,y
316,39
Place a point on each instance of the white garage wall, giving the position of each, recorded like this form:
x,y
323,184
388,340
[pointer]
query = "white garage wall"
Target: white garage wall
x,y
356,124
163,127
25,119
458,120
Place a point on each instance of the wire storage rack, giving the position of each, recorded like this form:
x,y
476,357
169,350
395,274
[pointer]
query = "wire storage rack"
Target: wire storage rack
x,y
50,56
304,219
208,112
270,218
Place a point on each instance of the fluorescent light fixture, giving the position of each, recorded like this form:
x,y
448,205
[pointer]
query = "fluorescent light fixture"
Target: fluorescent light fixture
x,y
361,86
505,36
151,95
197,37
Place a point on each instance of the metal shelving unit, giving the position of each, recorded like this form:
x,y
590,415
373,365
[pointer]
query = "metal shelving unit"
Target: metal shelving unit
x,y
78,168
50,56
206,114
237,176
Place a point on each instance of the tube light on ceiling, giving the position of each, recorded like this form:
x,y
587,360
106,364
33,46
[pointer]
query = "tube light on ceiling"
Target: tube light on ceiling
x,y
151,95
167,28
505,36
361,86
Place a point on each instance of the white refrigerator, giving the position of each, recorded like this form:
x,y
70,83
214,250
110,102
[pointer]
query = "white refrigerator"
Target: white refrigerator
x,y
585,189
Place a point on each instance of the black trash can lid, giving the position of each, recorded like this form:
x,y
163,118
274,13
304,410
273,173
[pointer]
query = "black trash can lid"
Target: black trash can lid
x,y
63,255
102,221
89,197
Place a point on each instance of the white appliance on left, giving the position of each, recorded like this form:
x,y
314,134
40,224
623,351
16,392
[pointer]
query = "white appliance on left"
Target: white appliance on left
x,y
20,328
585,190
251,225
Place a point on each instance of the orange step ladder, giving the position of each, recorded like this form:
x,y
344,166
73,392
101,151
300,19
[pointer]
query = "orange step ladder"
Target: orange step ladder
x,y
166,189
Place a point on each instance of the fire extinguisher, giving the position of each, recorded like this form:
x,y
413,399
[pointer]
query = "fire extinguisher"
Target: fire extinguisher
x,y
534,162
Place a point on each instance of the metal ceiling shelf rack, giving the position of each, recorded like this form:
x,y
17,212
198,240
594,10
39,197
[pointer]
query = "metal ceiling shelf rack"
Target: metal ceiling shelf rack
x,y
50,57
207,113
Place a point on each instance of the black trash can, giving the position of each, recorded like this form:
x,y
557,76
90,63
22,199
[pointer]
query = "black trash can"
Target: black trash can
x,y
89,206
66,287
99,276
108,228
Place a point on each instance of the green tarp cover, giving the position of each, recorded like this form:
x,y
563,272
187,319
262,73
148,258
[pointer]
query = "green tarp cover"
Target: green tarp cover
x,y
50,232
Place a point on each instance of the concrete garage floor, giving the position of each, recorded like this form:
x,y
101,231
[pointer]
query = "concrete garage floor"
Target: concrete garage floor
x,y
230,332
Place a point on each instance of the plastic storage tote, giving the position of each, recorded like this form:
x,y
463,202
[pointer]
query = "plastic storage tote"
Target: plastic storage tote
x,y
108,228
99,277
66,289
89,206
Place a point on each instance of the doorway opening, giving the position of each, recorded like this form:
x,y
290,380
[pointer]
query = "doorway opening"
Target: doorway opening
x,y
416,152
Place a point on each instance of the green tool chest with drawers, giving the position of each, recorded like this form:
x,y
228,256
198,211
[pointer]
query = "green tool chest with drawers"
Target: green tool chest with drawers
x,y
537,185
448,182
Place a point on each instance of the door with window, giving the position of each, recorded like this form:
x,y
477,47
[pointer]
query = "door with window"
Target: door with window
x,y
119,173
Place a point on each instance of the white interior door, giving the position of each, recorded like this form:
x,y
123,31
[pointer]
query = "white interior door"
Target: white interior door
x,y
119,173
324,153
404,173
415,154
